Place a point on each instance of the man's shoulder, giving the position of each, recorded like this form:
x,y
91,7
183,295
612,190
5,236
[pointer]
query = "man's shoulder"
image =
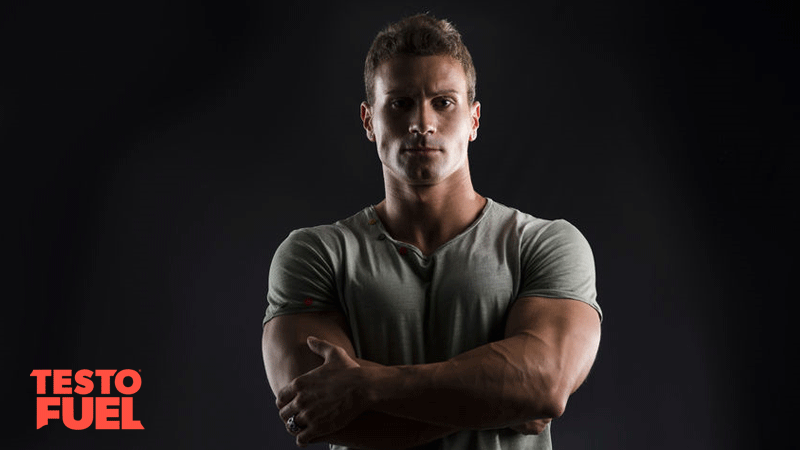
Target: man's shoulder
x,y
528,225
333,234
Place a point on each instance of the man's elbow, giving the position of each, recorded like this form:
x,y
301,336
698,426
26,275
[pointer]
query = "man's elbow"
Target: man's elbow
x,y
555,405
554,389
548,403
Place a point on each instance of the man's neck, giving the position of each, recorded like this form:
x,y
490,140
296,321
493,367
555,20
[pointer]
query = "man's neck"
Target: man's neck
x,y
428,216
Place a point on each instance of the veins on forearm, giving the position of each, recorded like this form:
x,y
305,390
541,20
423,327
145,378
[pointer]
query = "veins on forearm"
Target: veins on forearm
x,y
493,386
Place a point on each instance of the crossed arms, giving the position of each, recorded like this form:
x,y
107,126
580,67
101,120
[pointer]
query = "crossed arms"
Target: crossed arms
x,y
521,381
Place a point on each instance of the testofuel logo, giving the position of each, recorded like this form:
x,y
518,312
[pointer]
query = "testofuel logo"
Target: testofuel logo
x,y
107,413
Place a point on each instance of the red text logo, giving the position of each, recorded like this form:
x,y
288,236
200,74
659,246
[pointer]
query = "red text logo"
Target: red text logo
x,y
106,413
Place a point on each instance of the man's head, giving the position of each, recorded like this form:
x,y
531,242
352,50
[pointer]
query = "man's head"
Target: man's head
x,y
419,35
421,111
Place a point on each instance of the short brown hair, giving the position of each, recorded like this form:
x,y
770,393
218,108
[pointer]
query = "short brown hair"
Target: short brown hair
x,y
419,35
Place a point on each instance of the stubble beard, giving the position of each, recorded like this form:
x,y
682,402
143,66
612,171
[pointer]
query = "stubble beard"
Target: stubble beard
x,y
421,170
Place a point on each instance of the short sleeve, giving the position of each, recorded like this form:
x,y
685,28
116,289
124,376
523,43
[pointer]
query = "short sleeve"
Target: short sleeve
x,y
557,262
301,277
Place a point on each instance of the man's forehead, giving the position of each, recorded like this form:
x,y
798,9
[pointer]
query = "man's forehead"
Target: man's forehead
x,y
440,73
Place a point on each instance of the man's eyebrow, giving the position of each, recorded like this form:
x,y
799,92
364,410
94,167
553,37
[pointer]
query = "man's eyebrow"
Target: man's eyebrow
x,y
432,94
445,91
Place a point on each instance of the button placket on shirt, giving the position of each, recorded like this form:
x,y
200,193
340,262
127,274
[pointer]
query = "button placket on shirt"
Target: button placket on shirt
x,y
401,249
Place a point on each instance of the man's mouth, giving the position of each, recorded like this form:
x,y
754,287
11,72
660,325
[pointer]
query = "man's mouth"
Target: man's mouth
x,y
421,149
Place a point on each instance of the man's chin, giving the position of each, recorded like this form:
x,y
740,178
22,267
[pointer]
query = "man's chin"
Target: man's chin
x,y
417,176
425,178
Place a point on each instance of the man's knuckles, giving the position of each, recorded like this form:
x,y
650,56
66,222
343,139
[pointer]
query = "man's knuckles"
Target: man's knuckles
x,y
304,401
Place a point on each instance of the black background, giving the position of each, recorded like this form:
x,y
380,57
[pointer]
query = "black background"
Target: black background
x,y
156,153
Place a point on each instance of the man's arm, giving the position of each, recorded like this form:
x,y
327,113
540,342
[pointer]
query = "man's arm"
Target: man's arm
x,y
287,355
549,347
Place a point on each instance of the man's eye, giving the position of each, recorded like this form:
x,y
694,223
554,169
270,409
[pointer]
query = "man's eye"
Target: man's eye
x,y
443,102
401,103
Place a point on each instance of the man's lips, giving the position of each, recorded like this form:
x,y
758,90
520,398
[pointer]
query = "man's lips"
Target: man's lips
x,y
420,149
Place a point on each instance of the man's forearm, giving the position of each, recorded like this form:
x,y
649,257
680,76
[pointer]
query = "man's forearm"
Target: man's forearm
x,y
374,429
493,386
379,430
525,377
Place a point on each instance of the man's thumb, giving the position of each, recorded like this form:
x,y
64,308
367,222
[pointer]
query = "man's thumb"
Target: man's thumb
x,y
318,346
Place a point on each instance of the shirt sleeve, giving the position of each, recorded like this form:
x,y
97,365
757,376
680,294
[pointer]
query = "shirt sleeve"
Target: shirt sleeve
x,y
301,277
558,263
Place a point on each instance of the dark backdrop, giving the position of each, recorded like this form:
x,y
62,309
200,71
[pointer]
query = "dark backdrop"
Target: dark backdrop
x,y
156,153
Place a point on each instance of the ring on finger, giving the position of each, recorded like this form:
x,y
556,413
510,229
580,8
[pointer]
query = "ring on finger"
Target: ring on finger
x,y
291,425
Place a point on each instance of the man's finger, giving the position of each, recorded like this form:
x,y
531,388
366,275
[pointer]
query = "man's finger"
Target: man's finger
x,y
286,412
306,436
295,423
285,396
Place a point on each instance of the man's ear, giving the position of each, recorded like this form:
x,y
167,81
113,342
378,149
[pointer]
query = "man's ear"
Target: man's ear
x,y
475,117
366,119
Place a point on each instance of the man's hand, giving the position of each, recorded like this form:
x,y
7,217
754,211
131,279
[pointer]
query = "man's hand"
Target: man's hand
x,y
325,399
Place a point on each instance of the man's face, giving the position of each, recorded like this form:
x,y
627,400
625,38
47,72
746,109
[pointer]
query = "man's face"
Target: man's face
x,y
421,118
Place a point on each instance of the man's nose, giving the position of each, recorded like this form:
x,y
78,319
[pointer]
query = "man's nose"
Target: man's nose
x,y
423,120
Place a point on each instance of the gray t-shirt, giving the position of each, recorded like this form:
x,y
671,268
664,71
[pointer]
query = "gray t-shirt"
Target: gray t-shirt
x,y
406,308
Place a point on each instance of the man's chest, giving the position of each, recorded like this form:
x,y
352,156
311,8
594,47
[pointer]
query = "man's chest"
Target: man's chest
x,y
427,308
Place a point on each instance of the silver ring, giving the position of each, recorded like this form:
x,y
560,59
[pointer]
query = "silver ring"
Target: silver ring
x,y
293,428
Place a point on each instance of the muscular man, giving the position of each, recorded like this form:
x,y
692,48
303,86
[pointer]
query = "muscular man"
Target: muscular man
x,y
438,317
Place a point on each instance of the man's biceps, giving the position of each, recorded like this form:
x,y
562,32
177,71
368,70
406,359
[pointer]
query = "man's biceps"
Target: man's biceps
x,y
292,330
570,329
556,315
285,352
